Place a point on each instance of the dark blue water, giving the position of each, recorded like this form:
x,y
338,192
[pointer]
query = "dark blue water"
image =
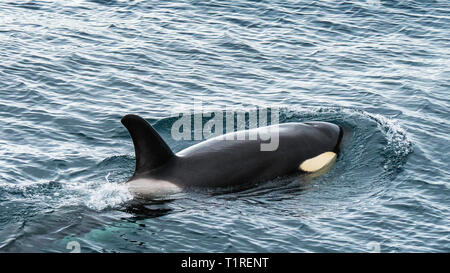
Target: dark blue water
x,y
70,70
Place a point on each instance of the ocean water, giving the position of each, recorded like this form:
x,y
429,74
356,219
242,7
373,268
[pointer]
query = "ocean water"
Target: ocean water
x,y
70,70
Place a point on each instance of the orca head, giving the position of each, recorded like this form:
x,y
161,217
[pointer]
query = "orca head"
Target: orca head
x,y
331,131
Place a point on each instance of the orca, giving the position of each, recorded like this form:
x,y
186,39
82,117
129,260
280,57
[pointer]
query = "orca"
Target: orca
x,y
228,160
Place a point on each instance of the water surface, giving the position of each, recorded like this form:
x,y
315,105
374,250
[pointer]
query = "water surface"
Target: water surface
x,y
70,70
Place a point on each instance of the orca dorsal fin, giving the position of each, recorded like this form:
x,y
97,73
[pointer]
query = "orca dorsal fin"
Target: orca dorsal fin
x,y
150,149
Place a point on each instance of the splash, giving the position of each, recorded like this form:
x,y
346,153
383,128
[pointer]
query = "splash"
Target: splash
x,y
107,195
398,146
397,138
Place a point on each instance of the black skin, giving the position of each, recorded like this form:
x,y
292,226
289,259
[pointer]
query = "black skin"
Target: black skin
x,y
220,163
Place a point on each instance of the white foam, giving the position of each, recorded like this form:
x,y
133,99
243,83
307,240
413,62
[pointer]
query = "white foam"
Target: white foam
x,y
99,195
108,195
396,136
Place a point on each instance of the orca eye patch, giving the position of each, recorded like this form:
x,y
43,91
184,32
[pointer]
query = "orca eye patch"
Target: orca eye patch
x,y
318,162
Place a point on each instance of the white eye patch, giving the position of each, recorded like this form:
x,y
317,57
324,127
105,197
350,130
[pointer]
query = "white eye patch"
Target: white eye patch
x,y
318,162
